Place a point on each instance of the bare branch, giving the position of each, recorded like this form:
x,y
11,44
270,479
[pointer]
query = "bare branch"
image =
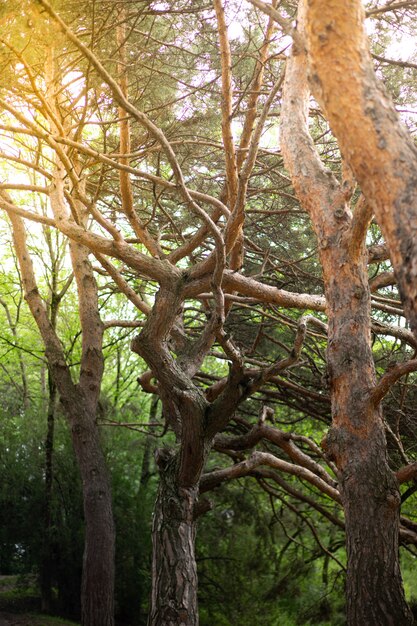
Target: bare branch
x,y
143,119
13,209
227,105
53,348
403,334
362,217
407,473
391,6
283,440
390,378
395,62
233,281
122,324
122,284
286,25
265,458
124,125
271,475
385,279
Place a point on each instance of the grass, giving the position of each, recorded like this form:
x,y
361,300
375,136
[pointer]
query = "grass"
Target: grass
x,y
49,620
19,596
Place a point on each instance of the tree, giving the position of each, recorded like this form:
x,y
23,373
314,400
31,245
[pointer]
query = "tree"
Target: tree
x,y
163,233
80,404
356,441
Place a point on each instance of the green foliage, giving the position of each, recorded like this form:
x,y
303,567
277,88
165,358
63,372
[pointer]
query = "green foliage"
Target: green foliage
x,y
253,562
21,512
134,491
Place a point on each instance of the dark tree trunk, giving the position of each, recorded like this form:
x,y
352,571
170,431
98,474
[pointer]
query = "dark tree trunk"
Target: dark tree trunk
x,y
47,557
174,570
97,591
375,594
139,610
145,471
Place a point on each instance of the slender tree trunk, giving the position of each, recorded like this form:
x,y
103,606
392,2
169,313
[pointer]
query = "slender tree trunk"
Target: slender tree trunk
x,y
97,590
174,570
143,507
145,471
80,404
47,558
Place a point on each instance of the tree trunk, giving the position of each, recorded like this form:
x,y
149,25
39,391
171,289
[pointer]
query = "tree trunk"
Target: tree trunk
x,y
145,471
80,404
356,441
174,570
375,594
47,558
97,591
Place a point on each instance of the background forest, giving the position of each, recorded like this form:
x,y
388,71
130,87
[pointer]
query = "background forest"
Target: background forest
x,y
155,257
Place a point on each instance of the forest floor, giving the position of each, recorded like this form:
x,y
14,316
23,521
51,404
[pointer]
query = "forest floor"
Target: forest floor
x,y
19,603
31,619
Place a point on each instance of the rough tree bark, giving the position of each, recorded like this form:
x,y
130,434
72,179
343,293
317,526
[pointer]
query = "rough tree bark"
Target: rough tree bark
x,y
356,440
174,589
174,569
97,589
195,422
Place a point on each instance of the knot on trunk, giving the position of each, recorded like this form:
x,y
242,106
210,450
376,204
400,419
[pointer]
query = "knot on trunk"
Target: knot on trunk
x,y
163,457
337,443
393,500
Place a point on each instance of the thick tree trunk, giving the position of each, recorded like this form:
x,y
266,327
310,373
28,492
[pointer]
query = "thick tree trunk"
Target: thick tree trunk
x,y
374,587
97,591
356,441
174,570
